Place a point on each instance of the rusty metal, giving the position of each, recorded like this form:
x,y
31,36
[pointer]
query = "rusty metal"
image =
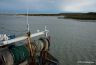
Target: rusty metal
x,y
32,49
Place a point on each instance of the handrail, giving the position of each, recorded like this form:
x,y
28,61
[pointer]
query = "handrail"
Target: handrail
x,y
2,43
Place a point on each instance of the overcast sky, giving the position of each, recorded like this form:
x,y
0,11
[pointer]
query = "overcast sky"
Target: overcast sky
x,y
48,6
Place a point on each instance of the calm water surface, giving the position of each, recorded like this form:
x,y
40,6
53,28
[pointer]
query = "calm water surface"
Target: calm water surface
x,y
73,42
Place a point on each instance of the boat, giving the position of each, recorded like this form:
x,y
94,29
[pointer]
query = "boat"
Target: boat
x,y
33,52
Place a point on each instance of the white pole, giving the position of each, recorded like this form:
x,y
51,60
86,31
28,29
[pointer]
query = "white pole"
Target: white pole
x,y
27,21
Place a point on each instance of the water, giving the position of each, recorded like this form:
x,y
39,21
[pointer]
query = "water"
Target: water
x,y
73,42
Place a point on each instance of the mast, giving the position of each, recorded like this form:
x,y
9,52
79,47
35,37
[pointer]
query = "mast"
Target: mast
x,y
27,20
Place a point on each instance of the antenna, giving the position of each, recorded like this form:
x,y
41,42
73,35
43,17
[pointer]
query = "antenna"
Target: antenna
x,y
28,30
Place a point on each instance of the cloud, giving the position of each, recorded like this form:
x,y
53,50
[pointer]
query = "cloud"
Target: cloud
x,y
78,6
48,5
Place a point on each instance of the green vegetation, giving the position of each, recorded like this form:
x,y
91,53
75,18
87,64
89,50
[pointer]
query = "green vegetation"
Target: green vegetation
x,y
82,16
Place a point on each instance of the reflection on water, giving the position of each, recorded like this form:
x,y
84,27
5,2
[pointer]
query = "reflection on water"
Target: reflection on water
x,y
72,41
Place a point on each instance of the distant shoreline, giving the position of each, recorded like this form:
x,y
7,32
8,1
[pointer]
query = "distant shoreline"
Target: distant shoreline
x,y
41,14
80,16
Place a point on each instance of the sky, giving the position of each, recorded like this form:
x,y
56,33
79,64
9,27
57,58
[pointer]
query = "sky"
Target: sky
x,y
47,6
